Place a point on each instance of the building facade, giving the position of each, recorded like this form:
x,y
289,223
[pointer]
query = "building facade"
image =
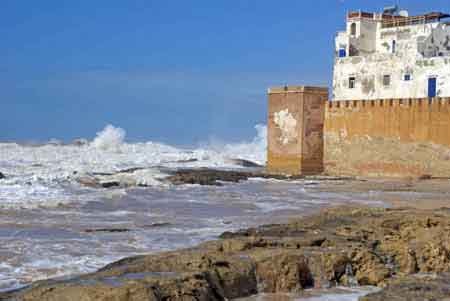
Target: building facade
x,y
392,56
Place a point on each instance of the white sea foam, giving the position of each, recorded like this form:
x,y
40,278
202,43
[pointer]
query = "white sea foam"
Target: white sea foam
x,y
346,294
254,150
110,138
35,173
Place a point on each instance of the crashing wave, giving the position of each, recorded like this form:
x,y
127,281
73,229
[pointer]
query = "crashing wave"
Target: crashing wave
x,y
110,138
36,174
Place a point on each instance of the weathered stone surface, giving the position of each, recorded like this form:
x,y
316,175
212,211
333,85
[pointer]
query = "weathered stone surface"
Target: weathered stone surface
x,y
295,130
394,138
414,288
283,272
207,176
340,246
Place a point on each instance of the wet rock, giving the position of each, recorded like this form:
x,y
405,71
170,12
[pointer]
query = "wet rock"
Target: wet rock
x,y
132,177
110,184
109,230
214,177
187,161
158,225
340,246
207,177
95,182
414,288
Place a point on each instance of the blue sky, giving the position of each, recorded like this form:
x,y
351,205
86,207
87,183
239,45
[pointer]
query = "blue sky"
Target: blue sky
x,y
174,71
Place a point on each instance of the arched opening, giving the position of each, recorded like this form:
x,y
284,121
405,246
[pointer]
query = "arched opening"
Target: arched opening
x,y
353,29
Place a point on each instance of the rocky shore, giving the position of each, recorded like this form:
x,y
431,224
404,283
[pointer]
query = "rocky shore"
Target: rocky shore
x,y
201,176
405,251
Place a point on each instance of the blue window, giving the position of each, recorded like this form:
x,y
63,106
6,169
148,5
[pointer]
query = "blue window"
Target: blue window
x,y
432,87
407,77
342,52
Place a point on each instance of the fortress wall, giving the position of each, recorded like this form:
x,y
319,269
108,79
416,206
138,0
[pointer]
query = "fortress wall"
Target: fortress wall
x,y
393,137
295,129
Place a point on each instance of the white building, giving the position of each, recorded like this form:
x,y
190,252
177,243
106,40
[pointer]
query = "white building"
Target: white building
x,y
389,55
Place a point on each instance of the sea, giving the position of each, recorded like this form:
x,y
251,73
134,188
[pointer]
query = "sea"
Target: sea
x,y
49,223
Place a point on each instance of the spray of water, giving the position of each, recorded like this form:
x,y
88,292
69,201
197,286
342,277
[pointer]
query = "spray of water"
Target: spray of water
x,y
254,151
110,138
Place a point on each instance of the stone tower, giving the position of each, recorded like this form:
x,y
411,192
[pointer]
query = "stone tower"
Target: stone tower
x,y
295,130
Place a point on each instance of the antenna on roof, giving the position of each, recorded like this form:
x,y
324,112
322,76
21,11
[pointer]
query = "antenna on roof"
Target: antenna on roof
x,y
390,10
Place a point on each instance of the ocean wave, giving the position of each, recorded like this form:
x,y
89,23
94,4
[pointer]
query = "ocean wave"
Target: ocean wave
x,y
35,174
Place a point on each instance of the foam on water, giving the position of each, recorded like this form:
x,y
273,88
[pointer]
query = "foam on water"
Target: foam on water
x,y
35,173
110,138
346,294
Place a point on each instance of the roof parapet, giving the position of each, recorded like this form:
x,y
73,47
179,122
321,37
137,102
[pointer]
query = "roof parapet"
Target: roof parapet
x,y
389,20
297,89
395,21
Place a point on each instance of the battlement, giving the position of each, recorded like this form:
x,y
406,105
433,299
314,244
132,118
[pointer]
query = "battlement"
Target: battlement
x,y
298,89
431,103
384,137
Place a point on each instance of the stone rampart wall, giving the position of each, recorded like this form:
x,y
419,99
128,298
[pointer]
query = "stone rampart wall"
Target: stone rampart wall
x,y
399,137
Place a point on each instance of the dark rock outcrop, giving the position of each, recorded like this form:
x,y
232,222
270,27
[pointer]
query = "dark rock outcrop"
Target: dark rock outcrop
x,y
202,176
108,230
207,176
340,246
214,177
2,176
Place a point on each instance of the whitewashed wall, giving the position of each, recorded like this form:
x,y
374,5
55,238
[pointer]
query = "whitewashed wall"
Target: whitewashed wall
x,y
422,51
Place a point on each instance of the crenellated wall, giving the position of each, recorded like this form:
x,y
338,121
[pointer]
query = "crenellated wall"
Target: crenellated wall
x,y
398,137
383,138
408,120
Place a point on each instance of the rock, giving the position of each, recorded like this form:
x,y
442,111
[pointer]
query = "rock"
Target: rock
x,y
2,176
110,230
339,246
158,225
207,176
136,176
110,184
414,288
284,272
187,160
214,177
